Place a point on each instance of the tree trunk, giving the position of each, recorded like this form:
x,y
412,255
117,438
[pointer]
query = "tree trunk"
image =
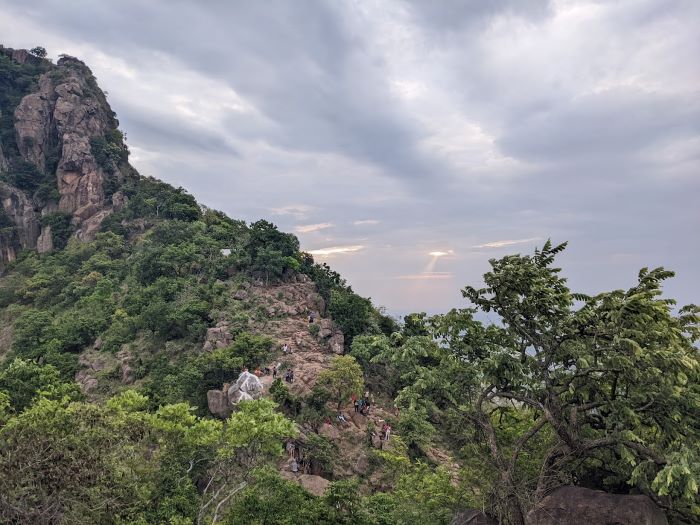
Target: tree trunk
x,y
515,511
508,493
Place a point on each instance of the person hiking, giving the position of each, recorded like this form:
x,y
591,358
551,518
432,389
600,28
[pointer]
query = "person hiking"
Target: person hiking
x,y
274,373
295,465
285,348
356,404
290,448
387,432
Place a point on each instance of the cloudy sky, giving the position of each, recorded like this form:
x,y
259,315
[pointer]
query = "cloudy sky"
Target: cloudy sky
x,y
408,142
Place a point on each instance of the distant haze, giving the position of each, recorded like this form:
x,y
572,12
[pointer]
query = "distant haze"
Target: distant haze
x,y
406,143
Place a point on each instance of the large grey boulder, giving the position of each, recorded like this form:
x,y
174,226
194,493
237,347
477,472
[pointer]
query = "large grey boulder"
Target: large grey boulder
x,y
246,387
582,506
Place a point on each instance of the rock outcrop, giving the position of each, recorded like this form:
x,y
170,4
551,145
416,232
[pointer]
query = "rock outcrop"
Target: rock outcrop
x,y
55,126
582,506
316,485
45,241
21,211
247,387
217,336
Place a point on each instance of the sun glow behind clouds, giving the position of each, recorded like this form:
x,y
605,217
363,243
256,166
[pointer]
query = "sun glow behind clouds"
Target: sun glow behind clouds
x,y
435,256
309,228
501,244
335,250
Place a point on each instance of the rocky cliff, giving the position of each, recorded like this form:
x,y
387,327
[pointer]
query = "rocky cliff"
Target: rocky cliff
x,y
61,153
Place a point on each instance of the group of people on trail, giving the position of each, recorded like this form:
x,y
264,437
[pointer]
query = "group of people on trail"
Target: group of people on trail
x,y
299,460
363,405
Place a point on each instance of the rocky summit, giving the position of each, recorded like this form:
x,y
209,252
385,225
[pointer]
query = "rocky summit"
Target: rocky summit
x,y
63,134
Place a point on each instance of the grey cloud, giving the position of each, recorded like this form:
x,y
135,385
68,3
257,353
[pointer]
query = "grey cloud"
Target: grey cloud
x,y
461,15
616,123
167,134
303,65
600,133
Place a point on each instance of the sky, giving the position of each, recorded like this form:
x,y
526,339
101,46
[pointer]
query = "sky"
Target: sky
x,y
406,143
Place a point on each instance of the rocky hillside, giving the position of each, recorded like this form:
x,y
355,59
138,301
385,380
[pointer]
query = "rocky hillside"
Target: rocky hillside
x,y
62,157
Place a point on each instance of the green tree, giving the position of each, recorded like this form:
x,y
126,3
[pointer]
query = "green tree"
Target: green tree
x,y
24,381
272,500
353,314
38,51
614,374
253,437
342,379
269,262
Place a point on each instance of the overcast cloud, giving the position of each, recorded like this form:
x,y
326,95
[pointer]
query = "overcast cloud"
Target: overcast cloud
x,y
407,142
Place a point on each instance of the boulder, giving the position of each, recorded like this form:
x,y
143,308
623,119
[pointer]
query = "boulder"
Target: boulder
x,y
336,344
86,381
325,328
472,517
236,396
218,404
316,485
246,387
582,506
329,432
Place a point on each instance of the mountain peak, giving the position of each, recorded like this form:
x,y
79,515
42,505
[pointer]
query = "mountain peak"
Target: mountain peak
x,y
62,157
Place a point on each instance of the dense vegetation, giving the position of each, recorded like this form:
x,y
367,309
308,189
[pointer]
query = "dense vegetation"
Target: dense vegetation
x,y
568,389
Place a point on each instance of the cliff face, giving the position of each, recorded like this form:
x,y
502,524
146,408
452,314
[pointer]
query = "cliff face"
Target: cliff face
x,y
65,133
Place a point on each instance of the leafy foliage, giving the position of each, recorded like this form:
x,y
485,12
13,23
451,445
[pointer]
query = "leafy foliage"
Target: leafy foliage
x,y
342,379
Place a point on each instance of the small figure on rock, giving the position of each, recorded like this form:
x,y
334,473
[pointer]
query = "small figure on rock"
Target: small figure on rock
x,y
285,348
